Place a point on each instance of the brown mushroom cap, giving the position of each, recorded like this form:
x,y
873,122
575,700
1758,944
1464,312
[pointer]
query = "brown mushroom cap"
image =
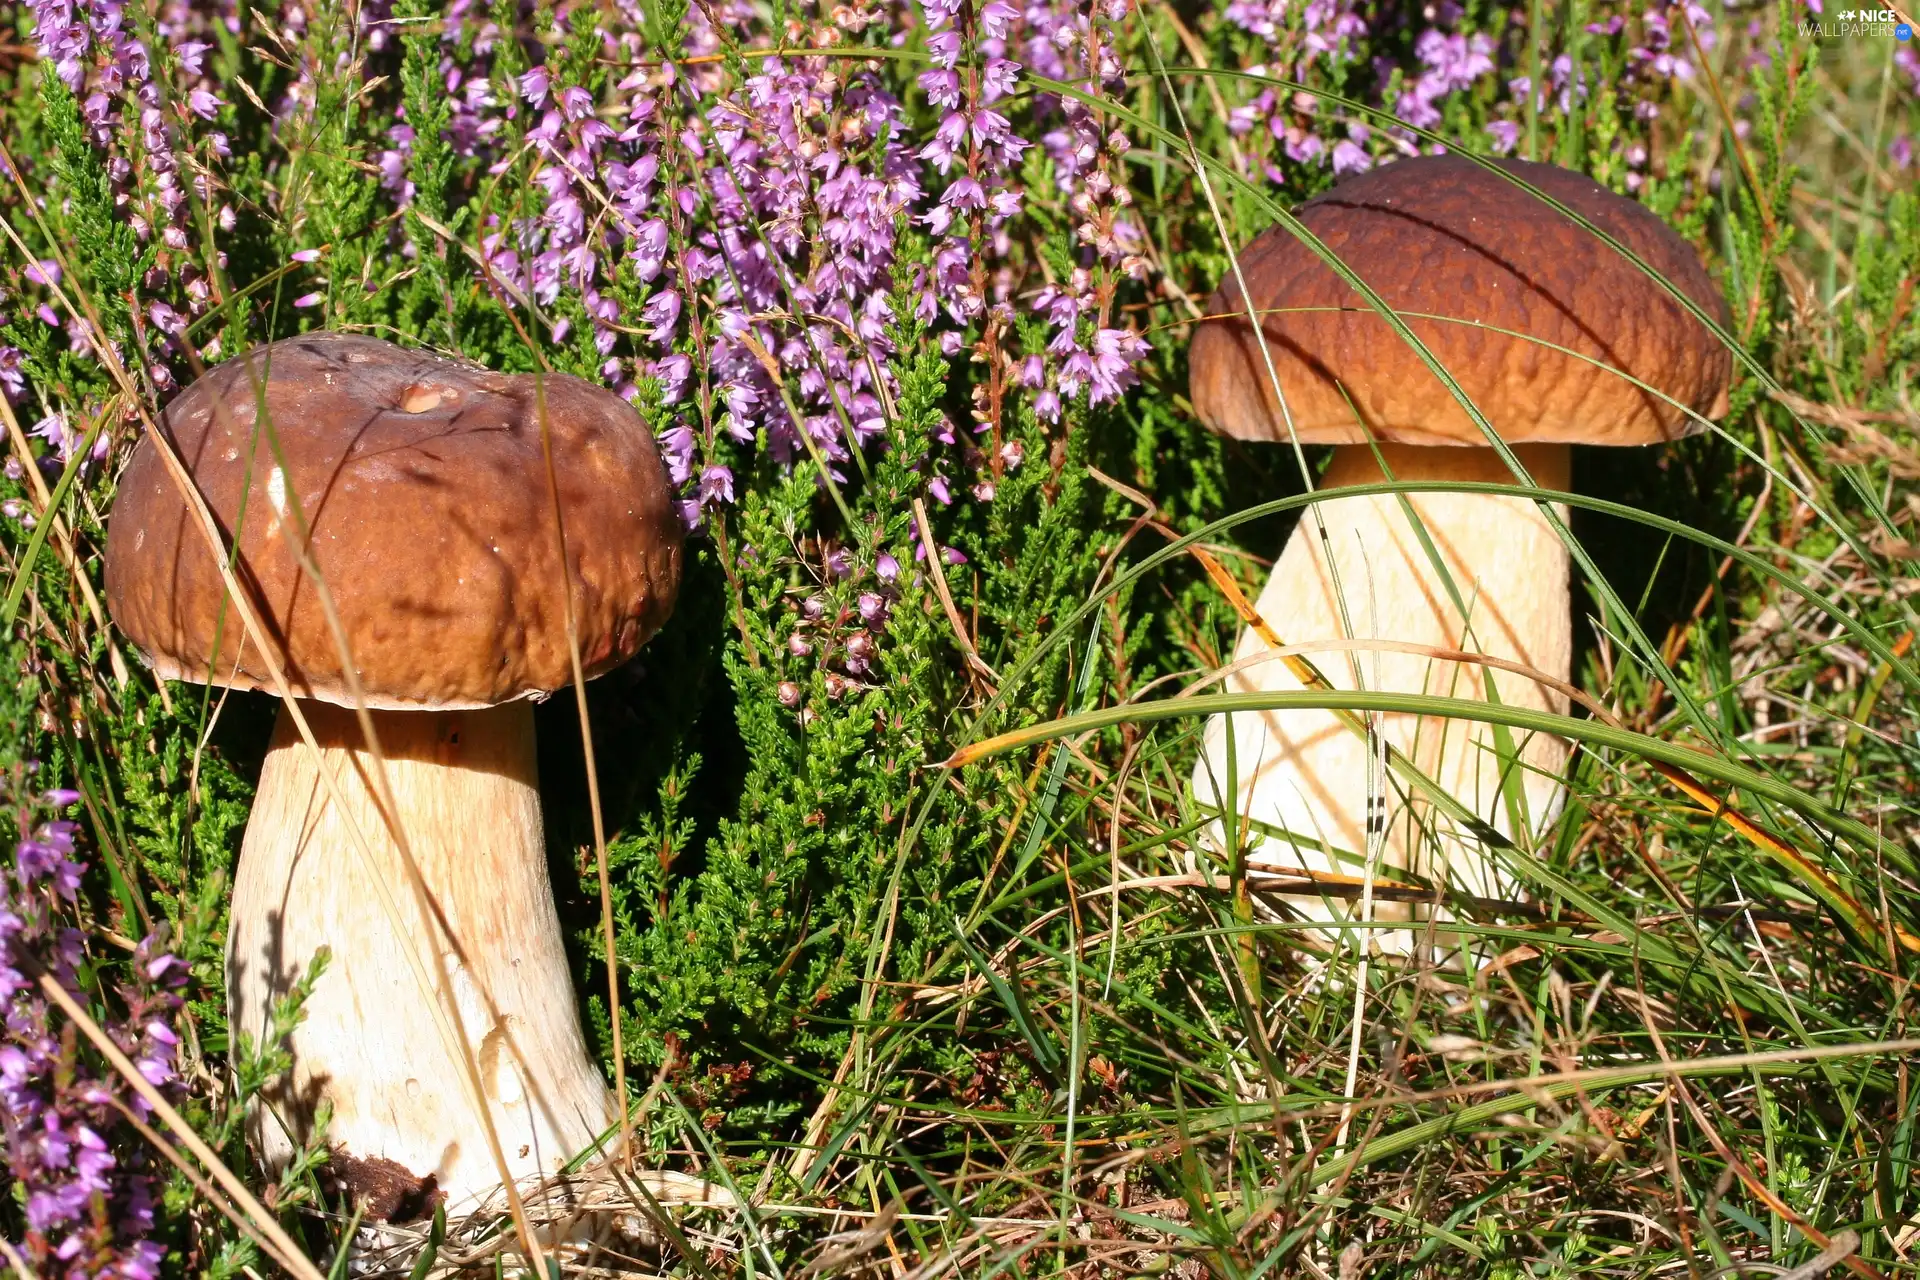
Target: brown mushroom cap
x,y
424,487
1442,236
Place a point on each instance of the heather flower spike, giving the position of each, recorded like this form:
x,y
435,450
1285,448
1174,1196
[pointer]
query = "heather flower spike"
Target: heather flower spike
x,y
443,565
1491,254
81,1172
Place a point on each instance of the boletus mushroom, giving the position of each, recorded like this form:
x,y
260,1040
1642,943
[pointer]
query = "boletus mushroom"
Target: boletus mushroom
x,y
1546,328
422,485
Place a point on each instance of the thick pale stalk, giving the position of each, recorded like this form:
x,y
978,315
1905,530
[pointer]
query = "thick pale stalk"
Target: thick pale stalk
x,y
466,791
1305,772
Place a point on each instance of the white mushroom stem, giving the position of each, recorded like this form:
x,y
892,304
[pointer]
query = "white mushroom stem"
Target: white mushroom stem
x,y
1304,771
466,793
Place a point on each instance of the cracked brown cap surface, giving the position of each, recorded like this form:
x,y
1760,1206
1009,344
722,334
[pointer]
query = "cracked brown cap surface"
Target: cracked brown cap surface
x,y
424,489
1441,236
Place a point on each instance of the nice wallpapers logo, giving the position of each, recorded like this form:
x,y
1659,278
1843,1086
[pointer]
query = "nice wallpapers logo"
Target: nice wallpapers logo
x,y
1861,22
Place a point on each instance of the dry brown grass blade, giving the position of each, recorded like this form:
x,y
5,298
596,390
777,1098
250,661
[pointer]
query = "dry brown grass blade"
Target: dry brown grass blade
x,y
62,535
808,1148
207,1191
1755,1185
586,732
1666,1069
14,1260
1865,442
593,779
294,1258
939,576
1715,807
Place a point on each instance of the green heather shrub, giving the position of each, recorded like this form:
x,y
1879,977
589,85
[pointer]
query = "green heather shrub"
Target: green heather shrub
x,y
904,290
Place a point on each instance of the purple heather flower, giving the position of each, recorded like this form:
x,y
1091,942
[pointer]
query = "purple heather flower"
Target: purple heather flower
x,y
150,155
82,1175
861,652
166,319
944,48
999,80
59,436
192,55
672,372
662,312
1348,157
1115,352
716,484
533,85
13,376
649,248
1450,63
995,18
676,448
